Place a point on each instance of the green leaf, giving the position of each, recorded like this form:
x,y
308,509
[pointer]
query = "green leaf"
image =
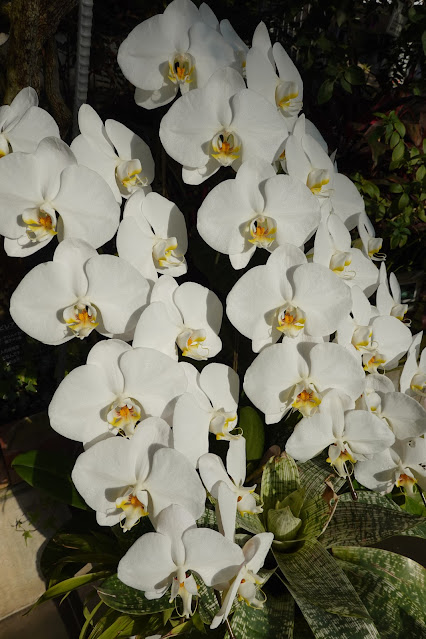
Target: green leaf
x,y
354,75
417,531
398,152
66,586
253,431
366,521
208,519
280,478
414,505
392,587
313,575
273,621
420,173
316,475
394,139
51,473
249,522
395,188
403,201
345,85
400,128
424,42
208,605
283,524
125,626
129,600
325,91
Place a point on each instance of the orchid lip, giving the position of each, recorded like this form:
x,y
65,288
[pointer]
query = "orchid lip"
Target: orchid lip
x,y
81,318
262,231
41,222
124,415
226,146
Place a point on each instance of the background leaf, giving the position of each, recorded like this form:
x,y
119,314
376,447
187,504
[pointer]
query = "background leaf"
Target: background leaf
x,y
252,426
51,473
129,600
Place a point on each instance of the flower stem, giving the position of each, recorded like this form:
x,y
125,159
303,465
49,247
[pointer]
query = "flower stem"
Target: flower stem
x,y
354,494
228,625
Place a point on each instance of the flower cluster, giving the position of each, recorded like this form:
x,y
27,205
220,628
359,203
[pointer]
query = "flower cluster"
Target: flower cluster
x,y
143,412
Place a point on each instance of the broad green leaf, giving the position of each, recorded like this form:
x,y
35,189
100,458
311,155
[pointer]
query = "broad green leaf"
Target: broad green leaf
x,y
51,473
365,521
345,85
317,512
315,475
392,587
403,201
420,173
208,519
325,91
398,151
400,128
294,500
417,531
280,478
66,586
273,621
313,575
394,139
129,600
249,522
252,426
283,524
414,505
354,75
125,626
395,188
208,605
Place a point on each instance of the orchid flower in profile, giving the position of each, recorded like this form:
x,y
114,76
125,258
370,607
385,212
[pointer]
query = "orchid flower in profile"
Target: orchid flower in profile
x,y
351,435
120,156
115,391
402,465
209,406
77,292
227,485
413,375
23,124
152,236
378,340
169,556
222,124
257,209
388,302
307,160
291,296
38,186
298,375
333,249
176,50
188,316
246,582
368,242
239,46
271,73
401,413
126,479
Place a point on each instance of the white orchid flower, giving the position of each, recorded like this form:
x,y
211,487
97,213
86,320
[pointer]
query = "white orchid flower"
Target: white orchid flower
x,y
388,302
245,584
402,465
172,51
227,485
36,187
23,124
77,292
209,405
413,375
126,479
278,80
188,316
351,435
168,557
291,296
115,391
120,156
307,160
257,209
333,249
297,375
222,124
152,236
379,341
239,46
368,242
403,414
